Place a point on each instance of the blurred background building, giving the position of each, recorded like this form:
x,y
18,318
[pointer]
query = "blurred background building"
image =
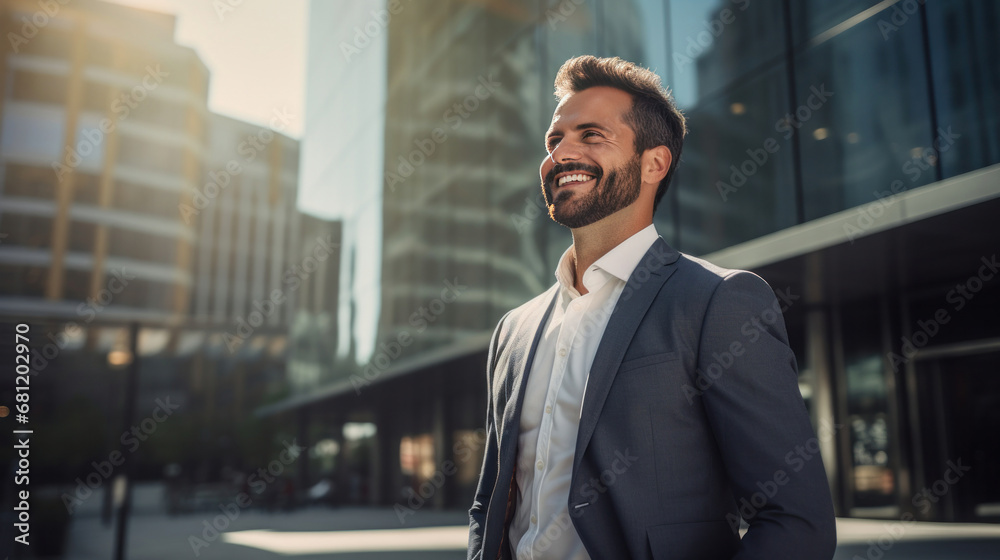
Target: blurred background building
x,y
125,201
81,200
845,151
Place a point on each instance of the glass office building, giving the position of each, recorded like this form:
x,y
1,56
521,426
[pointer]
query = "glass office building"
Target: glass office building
x,y
845,151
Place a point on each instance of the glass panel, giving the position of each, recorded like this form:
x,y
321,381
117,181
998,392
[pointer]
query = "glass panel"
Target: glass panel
x,y
736,177
40,87
34,134
86,188
96,97
863,117
82,236
813,17
964,51
141,246
958,401
867,407
27,230
145,200
23,280
76,285
714,44
144,154
30,181
49,41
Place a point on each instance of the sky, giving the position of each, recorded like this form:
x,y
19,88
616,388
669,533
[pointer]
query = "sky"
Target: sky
x,y
255,50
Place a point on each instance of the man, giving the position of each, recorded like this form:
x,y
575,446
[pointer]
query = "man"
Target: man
x,y
648,400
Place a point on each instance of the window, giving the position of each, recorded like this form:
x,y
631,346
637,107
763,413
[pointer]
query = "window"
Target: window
x,y
142,246
26,230
82,236
96,97
736,179
716,43
141,199
29,181
76,285
40,87
146,155
86,188
23,280
872,432
100,52
963,51
164,113
873,129
49,41
146,294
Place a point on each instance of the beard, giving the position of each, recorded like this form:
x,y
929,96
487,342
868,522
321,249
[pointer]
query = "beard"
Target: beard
x,y
618,189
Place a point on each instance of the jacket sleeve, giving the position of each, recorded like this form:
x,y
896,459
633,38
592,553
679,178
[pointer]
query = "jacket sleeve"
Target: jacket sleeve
x,y
757,414
488,473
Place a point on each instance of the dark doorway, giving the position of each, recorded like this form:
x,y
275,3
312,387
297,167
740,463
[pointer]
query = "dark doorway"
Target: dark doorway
x,y
959,404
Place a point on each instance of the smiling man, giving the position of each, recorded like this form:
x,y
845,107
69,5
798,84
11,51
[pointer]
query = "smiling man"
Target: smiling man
x,y
630,412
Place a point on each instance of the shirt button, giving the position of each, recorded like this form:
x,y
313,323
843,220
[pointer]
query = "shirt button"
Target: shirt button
x,y
540,465
562,351
548,409
534,520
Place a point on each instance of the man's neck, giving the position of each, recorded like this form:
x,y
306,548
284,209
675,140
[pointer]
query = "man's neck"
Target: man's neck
x,y
593,241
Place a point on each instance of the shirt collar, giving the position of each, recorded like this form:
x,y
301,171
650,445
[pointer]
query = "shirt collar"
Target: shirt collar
x,y
619,262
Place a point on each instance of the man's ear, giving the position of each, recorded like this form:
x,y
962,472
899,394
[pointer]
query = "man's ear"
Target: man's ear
x,y
655,165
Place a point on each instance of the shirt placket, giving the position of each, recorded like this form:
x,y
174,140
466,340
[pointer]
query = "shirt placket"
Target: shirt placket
x,y
564,345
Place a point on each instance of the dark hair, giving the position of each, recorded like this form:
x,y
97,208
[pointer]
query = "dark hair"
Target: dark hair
x,y
654,118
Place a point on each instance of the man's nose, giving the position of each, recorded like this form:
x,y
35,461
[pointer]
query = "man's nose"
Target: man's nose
x,y
564,151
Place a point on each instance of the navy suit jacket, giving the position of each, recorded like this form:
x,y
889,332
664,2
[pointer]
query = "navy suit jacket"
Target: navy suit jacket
x,y
692,418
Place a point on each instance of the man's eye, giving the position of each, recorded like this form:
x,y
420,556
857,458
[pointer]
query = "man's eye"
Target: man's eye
x,y
552,143
589,132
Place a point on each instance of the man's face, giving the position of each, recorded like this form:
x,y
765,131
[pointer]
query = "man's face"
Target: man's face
x,y
592,169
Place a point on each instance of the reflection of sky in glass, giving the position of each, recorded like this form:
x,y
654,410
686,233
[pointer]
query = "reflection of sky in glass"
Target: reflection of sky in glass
x,y
32,130
654,40
687,19
342,152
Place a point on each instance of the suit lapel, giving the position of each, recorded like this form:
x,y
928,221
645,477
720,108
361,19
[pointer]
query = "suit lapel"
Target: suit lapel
x,y
519,364
642,286
515,362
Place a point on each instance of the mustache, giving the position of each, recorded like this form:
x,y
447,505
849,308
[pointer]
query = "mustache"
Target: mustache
x,y
567,167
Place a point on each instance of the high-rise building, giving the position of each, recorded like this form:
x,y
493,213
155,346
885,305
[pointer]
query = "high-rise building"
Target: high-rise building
x,y
313,332
103,134
247,222
115,172
124,200
847,152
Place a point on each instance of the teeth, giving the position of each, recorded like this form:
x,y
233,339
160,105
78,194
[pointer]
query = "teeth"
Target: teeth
x,y
579,177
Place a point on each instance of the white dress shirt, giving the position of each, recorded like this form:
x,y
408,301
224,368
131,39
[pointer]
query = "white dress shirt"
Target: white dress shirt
x,y
550,415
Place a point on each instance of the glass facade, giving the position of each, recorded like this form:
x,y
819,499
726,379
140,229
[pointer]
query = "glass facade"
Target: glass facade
x,y
795,110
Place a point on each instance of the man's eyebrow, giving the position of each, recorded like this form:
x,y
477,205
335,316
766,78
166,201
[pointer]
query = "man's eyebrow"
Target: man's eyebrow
x,y
593,125
582,126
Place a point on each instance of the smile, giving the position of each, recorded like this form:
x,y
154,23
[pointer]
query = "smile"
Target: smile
x,y
573,179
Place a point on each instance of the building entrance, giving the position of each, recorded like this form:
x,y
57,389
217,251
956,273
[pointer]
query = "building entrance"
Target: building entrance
x,y
959,410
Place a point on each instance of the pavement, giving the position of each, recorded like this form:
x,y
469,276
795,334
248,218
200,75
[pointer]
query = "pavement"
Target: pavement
x,y
425,534
303,534
864,539
377,534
